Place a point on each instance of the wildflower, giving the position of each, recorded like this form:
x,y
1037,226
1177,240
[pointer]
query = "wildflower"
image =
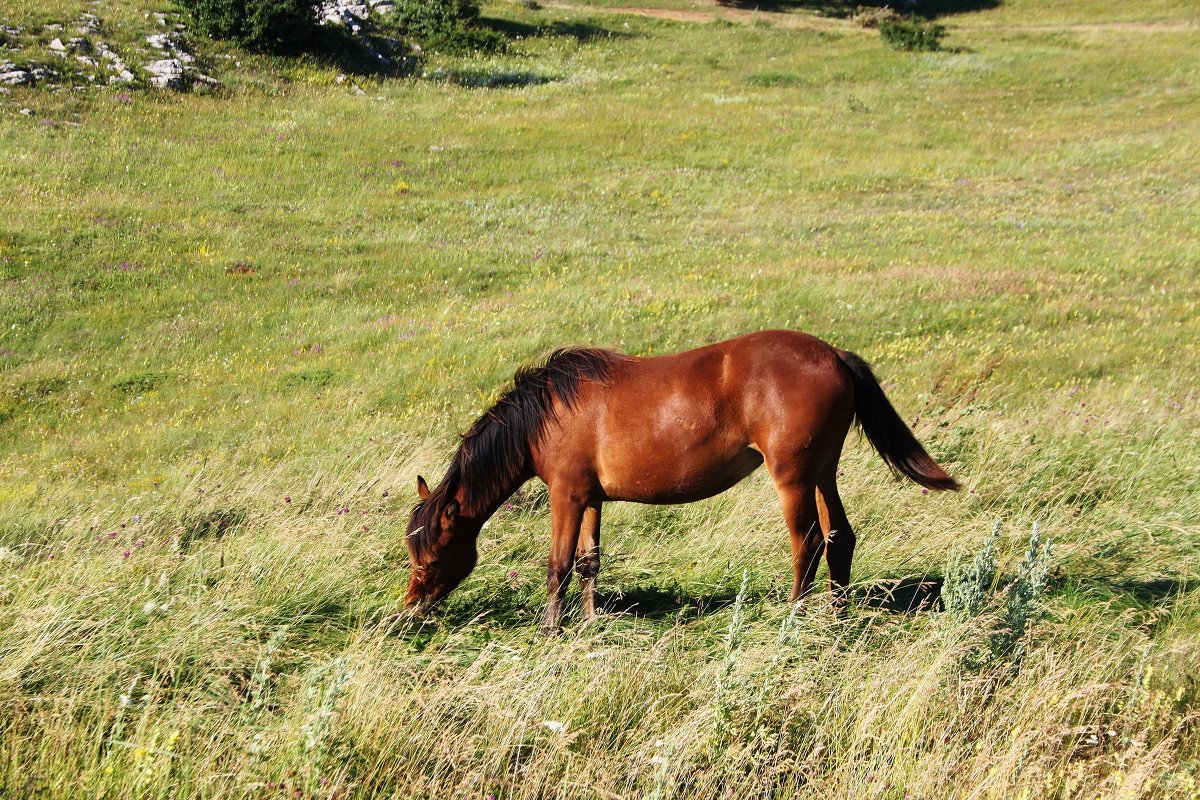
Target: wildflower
x,y
554,725
924,490
126,554
112,534
140,543
137,517
512,574
287,499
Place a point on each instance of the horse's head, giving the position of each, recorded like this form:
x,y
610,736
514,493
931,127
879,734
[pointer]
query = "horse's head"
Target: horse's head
x,y
441,546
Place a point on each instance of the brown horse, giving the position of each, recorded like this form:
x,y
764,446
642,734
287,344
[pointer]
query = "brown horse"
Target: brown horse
x,y
596,425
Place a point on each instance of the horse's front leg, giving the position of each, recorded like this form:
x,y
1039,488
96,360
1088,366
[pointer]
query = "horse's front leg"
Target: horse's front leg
x,y
566,515
587,558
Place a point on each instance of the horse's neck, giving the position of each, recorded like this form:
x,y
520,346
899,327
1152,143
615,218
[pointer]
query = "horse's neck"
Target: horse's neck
x,y
480,499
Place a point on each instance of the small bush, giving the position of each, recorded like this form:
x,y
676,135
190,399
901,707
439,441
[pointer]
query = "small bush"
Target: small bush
x,y
912,34
270,26
448,26
969,593
967,589
874,16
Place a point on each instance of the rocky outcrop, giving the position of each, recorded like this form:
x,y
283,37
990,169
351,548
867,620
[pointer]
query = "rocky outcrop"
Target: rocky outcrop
x,y
167,64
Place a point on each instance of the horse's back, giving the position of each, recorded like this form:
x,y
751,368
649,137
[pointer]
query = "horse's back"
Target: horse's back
x,y
688,425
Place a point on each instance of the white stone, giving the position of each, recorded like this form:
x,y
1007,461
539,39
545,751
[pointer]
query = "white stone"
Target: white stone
x,y
57,46
165,73
15,77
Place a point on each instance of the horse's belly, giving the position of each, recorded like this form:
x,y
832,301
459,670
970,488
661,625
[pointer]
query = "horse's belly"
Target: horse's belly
x,y
679,477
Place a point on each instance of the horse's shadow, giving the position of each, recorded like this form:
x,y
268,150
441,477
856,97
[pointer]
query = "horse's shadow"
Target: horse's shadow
x,y
907,594
662,602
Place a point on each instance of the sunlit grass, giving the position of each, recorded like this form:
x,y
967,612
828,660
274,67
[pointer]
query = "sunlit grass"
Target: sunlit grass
x,y
233,328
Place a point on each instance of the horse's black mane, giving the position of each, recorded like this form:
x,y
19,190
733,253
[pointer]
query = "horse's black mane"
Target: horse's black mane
x,y
495,451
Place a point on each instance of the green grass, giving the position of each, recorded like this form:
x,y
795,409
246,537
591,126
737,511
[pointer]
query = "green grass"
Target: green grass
x,y
225,318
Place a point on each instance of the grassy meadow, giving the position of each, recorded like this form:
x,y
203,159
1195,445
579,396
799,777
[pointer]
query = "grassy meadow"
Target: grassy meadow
x,y
235,325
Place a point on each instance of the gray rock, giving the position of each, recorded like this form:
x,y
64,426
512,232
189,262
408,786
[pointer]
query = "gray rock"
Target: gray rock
x,y
124,76
16,77
57,46
166,73
159,41
87,62
52,27
206,80
27,112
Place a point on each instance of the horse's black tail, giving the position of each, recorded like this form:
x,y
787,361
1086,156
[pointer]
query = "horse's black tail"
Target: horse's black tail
x,y
887,433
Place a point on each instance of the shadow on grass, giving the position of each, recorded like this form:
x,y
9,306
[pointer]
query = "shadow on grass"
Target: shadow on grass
x,y
905,595
379,54
491,78
373,55
582,31
662,602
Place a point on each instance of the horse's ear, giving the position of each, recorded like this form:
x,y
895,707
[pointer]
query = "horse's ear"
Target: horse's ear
x,y
450,512
422,488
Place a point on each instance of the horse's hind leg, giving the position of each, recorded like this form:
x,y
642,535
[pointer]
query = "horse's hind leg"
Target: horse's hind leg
x,y
587,558
800,511
839,537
